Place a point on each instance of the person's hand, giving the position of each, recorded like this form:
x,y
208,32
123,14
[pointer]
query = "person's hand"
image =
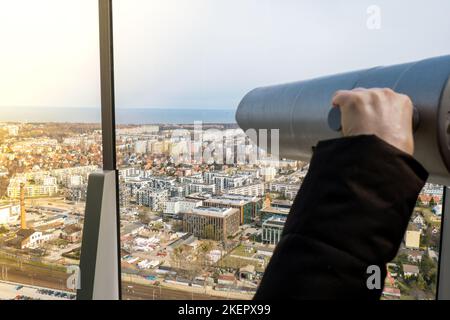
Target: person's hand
x,y
381,112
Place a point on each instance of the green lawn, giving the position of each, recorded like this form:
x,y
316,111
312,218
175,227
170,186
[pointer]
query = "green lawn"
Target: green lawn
x,y
241,251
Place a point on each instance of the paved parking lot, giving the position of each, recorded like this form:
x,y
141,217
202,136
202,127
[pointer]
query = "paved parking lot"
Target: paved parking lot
x,y
11,291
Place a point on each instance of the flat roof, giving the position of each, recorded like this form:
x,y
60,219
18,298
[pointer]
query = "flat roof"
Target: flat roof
x,y
221,200
213,211
279,222
283,211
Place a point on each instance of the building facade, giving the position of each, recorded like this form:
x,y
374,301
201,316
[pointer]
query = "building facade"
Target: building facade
x,y
216,223
248,206
152,198
272,230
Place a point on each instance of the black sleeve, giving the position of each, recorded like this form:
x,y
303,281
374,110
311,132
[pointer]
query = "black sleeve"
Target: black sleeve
x,y
351,212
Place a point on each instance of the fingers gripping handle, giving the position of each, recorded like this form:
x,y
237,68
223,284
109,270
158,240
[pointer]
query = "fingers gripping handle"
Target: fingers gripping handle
x,y
335,123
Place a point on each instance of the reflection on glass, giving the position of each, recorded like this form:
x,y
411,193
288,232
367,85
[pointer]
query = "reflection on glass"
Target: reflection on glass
x,y
50,141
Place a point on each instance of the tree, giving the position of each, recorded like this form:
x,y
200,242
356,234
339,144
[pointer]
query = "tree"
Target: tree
x,y
204,248
421,284
178,256
158,226
3,229
177,226
402,258
432,202
428,269
425,238
144,218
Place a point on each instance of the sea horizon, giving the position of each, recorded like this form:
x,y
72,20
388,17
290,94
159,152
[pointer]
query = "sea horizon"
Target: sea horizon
x,y
124,116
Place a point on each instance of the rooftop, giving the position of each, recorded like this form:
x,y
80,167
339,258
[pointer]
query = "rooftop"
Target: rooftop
x,y
274,210
275,221
227,201
213,211
409,268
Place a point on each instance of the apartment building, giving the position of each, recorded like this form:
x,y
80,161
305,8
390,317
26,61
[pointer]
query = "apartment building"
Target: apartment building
x,y
272,230
248,206
217,223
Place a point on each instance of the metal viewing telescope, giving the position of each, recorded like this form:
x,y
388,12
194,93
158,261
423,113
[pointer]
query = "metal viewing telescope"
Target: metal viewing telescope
x,y
302,110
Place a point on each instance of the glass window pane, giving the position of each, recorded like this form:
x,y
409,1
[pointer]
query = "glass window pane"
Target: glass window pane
x,y
192,227
50,140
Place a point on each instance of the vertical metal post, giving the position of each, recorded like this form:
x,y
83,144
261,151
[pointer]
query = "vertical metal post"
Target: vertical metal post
x,y
100,249
108,106
107,84
443,281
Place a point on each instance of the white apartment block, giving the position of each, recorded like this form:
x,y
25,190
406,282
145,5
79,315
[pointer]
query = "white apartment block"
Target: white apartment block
x,y
256,190
152,198
177,205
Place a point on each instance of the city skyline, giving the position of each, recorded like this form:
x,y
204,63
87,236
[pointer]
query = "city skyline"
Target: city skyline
x,y
225,218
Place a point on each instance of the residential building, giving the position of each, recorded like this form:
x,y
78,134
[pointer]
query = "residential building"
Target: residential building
x,y
72,233
254,189
275,208
215,223
272,229
410,270
412,239
9,213
26,238
152,197
177,205
248,206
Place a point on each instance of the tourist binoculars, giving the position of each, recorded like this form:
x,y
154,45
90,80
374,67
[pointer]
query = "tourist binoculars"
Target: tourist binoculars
x,y
303,114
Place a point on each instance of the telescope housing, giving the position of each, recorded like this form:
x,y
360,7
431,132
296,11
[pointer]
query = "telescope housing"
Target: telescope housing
x,y
300,110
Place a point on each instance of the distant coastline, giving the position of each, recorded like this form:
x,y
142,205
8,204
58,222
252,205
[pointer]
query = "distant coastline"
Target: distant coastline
x,y
123,116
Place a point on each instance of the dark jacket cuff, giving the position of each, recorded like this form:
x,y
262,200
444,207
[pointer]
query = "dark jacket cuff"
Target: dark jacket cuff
x,y
358,197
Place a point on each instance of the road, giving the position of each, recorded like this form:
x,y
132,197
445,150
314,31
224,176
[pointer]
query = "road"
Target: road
x,y
144,292
41,277
36,276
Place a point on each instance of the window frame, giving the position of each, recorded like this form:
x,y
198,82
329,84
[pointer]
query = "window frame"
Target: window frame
x,y
108,124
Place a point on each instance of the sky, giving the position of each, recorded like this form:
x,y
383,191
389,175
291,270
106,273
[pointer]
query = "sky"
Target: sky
x,y
203,53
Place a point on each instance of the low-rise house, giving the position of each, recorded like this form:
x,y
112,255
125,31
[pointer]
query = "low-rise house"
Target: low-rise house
x,y
414,256
226,279
247,272
26,238
267,252
433,254
410,270
427,199
71,233
391,293
412,238
418,219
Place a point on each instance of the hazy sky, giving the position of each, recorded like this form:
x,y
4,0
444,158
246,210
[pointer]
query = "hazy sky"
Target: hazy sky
x,y
202,53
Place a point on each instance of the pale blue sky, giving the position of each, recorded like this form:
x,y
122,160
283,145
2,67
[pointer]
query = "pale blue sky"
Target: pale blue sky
x,y
202,53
